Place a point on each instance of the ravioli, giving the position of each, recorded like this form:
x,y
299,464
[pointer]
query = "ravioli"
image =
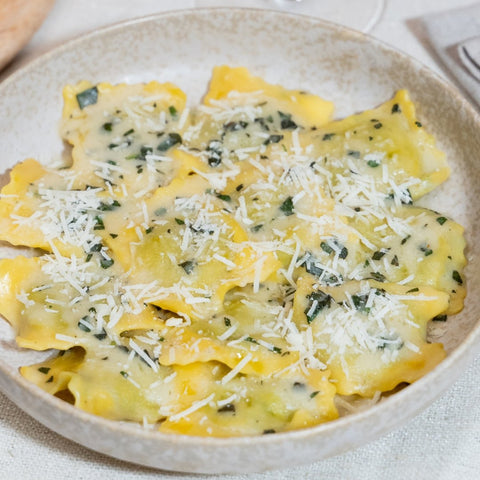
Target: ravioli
x,y
236,268
191,247
39,209
371,335
124,134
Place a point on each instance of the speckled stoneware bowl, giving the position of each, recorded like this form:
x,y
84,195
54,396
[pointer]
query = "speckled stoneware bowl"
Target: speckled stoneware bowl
x,y
352,70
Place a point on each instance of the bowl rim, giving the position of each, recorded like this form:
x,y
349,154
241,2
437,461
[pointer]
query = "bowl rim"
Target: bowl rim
x,y
465,351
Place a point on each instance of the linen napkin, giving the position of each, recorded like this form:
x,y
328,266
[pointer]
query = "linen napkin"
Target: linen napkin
x,y
455,37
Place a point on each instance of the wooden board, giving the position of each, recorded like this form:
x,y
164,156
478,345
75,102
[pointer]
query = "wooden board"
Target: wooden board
x,y
19,19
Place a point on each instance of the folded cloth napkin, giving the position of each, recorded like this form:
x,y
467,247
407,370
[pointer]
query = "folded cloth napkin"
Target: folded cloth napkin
x,y
455,37
469,53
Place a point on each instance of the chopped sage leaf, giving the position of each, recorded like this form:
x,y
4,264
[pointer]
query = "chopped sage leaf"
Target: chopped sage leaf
x,y
378,255
101,336
377,276
87,97
160,211
188,266
228,408
225,198
171,140
457,277
286,122
106,263
287,206
405,240
317,301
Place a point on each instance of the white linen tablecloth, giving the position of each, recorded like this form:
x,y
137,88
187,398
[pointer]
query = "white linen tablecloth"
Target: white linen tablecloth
x,y
442,443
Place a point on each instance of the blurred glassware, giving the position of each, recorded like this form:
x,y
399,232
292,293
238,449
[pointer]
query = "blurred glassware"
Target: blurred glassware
x,y
360,15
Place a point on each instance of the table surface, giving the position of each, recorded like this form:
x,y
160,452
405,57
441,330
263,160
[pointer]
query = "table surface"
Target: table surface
x,y
442,443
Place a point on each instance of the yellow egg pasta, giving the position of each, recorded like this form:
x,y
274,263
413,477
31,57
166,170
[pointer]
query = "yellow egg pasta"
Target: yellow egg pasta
x,y
240,267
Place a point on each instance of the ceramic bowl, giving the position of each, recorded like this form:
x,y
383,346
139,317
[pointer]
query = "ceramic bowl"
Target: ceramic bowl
x,y
349,68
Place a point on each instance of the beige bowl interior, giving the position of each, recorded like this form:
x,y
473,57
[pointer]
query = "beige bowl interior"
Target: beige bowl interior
x,y
352,70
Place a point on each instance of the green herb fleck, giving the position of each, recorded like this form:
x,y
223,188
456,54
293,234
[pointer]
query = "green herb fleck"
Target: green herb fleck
x,y
101,336
84,324
441,220
287,206
286,122
107,126
98,223
171,140
457,277
273,139
426,250
106,263
378,255
160,211
405,240
317,301
228,408
180,221
326,247
360,302
328,136
225,198
188,266
44,370
214,149
87,97
373,163
377,276
396,108
440,318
